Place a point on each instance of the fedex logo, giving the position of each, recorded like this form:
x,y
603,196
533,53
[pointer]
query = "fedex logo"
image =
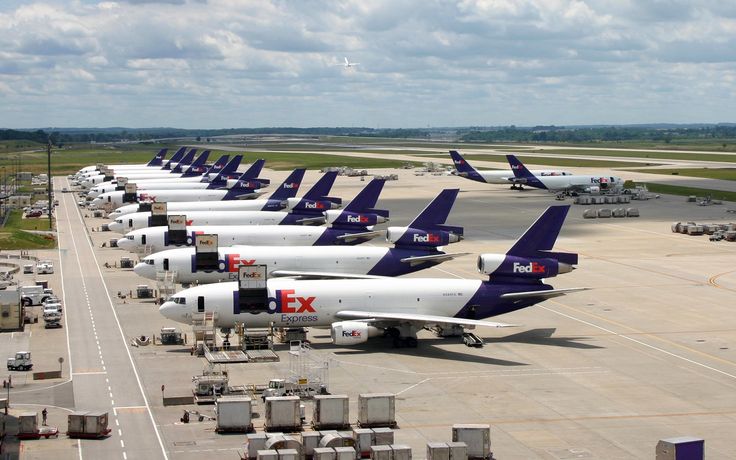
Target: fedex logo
x,y
458,162
428,238
352,333
359,220
217,167
286,302
533,267
146,197
247,184
598,180
316,205
198,169
233,261
291,185
515,166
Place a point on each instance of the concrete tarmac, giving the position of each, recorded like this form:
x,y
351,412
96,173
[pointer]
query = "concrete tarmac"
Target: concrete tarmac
x,y
648,353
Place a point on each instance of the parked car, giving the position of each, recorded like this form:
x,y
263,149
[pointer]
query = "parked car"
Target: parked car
x,y
34,213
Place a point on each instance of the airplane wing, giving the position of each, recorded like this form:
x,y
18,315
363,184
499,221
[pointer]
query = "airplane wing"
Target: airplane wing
x,y
250,196
540,294
361,236
417,318
321,275
311,220
415,260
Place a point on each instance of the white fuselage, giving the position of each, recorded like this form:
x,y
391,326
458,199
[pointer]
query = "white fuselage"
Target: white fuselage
x,y
580,182
505,176
115,199
178,183
131,176
183,206
139,220
316,303
357,260
152,238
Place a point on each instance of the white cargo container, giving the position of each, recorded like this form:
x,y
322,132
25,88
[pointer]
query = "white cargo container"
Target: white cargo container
x,y
282,414
363,438
345,453
476,436
310,441
288,454
335,439
458,450
401,452
377,410
28,423
438,451
233,414
382,453
324,453
267,455
280,441
331,412
383,436
255,442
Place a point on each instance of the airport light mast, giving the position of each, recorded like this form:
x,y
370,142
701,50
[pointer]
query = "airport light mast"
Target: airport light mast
x,y
48,182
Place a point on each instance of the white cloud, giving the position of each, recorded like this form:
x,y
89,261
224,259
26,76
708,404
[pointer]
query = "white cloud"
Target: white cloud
x,y
229,63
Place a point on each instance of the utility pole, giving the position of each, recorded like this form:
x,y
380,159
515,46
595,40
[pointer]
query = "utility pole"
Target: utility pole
x,y
51,203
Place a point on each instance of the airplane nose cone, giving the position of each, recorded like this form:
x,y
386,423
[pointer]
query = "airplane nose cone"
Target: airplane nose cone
x,y
145,270
116,227
93,193
126,244
114,215
172,311
95,203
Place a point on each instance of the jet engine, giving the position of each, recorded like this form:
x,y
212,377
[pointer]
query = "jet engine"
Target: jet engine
x,y
593,189
352,332
521,267
416,237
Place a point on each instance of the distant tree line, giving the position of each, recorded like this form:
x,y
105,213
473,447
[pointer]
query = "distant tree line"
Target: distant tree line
x,y
595,134
571,134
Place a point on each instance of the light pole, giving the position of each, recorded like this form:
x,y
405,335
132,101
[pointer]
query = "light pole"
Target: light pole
x,y
48,175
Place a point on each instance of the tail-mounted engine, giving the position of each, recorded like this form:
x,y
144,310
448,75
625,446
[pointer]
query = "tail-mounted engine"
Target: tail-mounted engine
x,y
523,268
356,219
408,236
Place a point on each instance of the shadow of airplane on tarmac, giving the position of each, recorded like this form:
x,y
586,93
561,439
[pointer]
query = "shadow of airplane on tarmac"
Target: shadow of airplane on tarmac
x,y
542,336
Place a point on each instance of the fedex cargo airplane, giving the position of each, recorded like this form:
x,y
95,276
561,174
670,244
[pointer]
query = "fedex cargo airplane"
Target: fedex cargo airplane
x,y
464,169
246,187
307,210
187,164
280,199
156,162
352,225
356,309
417,246
220,172
568,183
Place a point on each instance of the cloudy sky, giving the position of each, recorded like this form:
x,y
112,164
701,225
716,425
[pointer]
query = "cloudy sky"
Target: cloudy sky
x,y
241,63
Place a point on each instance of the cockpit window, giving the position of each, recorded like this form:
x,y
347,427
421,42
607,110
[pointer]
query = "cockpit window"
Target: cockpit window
x,y
130,237
178,300
119,221
148,261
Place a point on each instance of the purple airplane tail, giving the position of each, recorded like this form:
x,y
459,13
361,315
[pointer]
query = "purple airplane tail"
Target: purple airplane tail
x,y
158,160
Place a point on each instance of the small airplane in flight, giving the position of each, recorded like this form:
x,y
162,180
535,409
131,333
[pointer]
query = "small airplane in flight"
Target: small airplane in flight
x,y
356,309
567,183
349,64
504,176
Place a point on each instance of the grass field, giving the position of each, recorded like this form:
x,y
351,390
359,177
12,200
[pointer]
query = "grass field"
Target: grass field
x,y
638,154
14,236
552,161
69,161
16,222
709,173
687,191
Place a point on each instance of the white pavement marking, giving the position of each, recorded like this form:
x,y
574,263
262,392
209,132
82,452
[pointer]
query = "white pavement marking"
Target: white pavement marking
x,y
652,347
125,344
92,373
